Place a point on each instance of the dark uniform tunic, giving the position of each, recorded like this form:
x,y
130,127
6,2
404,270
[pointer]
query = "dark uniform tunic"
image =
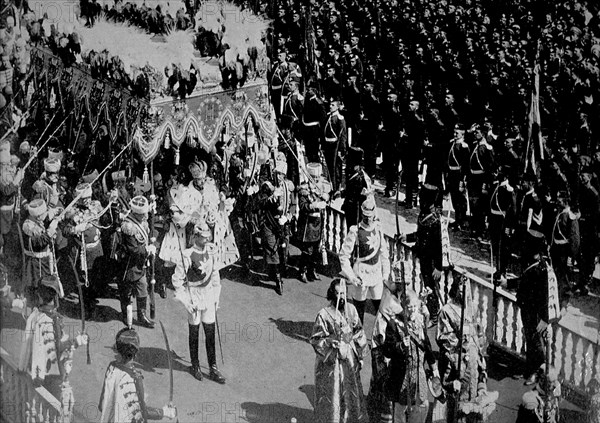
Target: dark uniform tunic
x,y
354,196
39,258
134,242
502,220
313,118
310,226
564,243
456,173
482,166
334,147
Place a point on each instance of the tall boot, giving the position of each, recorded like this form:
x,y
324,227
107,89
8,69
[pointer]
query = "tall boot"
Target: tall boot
x,y
303,277
310,274
360,309
211,353
276,276
194,335
127,314
143,320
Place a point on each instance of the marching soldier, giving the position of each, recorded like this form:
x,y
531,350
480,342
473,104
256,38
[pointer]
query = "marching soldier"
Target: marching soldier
x,y
364,258
456,176
531,216
564,244
136,248
312,201
122,399
482,166
198,287
40,261
313,116
358,186
10,180
502,222
292,108
335,143
47,351
82,226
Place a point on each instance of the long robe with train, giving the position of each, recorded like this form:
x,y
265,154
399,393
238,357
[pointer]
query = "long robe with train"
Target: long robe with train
x,y
122,399
338,390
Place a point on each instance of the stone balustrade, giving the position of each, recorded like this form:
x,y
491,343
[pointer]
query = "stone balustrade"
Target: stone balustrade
x,y
576,358
22,402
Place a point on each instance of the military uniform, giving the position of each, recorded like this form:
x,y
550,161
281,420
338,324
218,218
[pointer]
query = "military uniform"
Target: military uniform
x,y
292,111
49,191
456,178
10,180
482,166
531,230
358,187
198,287
364,259
564,243
589,205
311,207
502,223
136,250
334,147
312,118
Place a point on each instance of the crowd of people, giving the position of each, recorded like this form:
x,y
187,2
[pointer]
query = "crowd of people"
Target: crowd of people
x,y
441,91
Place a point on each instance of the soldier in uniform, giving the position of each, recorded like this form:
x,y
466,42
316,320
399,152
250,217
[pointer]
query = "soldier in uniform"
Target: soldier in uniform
x,y
364,259
40,260
83,228
312,200
456,175
502,222
482,166
292,108
313,117
530,221
198,287
47,187
358,186
47,352
564,243
137,248
122,399
335,143
589,205
10,180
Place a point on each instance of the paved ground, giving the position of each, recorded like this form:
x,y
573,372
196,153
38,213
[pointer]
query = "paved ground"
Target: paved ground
x,y
268,361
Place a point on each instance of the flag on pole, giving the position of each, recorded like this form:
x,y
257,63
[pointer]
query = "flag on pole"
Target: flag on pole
x,y
535,148
310,44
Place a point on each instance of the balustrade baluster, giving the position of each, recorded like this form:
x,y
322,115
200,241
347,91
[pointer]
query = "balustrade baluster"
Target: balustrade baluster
x,y
578,359
556,354
499,333
343,231
568,357
588,363
519,338
509,325
327,233
336,233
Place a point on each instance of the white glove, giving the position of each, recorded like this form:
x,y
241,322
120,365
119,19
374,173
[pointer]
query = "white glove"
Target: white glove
x,y
319,205
456,385
282,220
82,339
151,249
169,411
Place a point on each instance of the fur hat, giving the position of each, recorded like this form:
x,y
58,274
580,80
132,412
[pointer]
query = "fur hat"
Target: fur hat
x,y
89,178
127,338
52,165
198,169
55,153
139,205
37,208
51,282
83,190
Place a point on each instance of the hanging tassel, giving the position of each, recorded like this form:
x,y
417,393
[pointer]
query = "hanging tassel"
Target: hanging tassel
x,y
167,142
177,157
146,176
324,259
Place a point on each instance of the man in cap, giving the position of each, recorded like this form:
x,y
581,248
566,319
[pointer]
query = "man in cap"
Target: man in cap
x,y
335,144
122,399
313,117
358,186
542,402
292,106
503,210
456,175
530,230
82,227
40,260
198,287
47,187
411,150
390,143
312,201
10,180
364,259
370,118
278,77
482,165
46,355
136,249
408,348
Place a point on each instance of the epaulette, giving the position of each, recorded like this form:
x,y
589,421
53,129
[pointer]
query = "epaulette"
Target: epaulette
x,y
572,215
128,228
340,116
290,185
353,229
300,97
488,146
30,228
509,188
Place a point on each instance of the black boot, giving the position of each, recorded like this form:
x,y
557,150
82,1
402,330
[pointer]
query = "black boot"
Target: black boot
x,y
360,309
211,353
311,275
194,334
302,277
278,284
143,320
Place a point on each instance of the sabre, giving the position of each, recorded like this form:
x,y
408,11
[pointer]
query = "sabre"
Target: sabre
x,y
82,307
32,158
219,335
170,362
12,128
152,286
